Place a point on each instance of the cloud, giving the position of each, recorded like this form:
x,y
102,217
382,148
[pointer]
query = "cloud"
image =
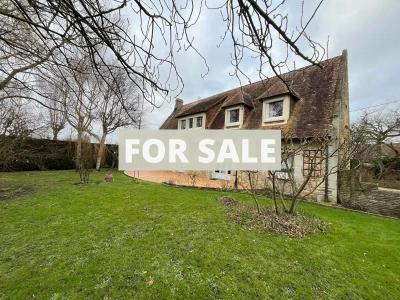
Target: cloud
x,y
370,30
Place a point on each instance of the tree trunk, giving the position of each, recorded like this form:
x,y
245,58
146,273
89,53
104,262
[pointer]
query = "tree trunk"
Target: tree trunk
x,y
79,150
236,180
55,134
294,206
274,192
100,152
253,193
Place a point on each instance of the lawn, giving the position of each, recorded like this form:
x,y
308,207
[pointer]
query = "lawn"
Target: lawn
x,y
142,240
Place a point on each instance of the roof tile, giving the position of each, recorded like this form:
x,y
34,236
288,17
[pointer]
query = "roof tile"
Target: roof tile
x,y
314,86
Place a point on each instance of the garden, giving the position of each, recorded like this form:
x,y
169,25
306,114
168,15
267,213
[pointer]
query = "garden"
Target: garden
x,y
135,239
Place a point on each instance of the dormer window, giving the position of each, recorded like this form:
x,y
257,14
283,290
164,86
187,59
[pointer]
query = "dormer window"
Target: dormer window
x,y
234,116
276,109
192,122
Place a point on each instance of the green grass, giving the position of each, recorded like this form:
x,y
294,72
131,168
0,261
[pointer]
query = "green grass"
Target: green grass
x,y
147,241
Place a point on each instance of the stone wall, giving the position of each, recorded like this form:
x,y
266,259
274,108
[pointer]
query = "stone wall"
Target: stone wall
x,y
366,196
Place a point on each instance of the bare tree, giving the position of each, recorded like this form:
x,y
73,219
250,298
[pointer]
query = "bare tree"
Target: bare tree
x,y
377,133
86,159
323,155
34,34
80,103
109,109
320,156
61,26
252,187
56,92
256,28
57,120
17,127
13,120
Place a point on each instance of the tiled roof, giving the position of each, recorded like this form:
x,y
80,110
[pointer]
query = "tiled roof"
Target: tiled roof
x,y
238,98
316,89
276,89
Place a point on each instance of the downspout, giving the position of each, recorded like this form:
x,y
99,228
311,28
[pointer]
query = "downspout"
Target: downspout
x,y
326,195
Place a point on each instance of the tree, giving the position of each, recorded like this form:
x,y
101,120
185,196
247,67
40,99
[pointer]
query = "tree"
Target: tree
x,y
57,120
23,48
56,93
86,159
109,109
34,34
17,127
321,159
252,185
55,27
257,28
80,103
377,132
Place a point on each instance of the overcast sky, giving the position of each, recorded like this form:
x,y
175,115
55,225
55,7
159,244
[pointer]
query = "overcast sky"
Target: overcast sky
x,y
368,29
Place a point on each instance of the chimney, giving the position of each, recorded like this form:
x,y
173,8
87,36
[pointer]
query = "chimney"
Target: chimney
x,y
344,53
178,104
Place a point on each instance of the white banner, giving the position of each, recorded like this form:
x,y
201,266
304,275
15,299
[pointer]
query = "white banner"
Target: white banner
x,y
199,149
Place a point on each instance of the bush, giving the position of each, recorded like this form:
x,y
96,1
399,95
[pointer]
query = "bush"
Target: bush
x,y
247,216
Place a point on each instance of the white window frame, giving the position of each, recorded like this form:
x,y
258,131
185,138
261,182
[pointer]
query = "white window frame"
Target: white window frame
x,y
285,112
227,116
180,124
186,119
202,121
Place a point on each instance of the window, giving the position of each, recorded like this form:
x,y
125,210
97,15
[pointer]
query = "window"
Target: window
x,y
199,122
312,162
221,171
195,121
183,124
234,116
275,109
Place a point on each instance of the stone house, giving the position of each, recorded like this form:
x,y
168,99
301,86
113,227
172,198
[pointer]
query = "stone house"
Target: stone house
x,y
313,101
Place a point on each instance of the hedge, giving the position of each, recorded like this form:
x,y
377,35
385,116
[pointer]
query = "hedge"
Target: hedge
x,y
43,154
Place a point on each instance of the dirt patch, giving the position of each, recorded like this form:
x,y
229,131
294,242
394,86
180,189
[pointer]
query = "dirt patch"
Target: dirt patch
x,y
228,201
13,192
296,226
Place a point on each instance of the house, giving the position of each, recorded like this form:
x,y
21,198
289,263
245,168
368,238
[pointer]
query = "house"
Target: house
x,y
314,100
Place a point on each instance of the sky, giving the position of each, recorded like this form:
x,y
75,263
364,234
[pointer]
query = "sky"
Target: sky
x,y
368,29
